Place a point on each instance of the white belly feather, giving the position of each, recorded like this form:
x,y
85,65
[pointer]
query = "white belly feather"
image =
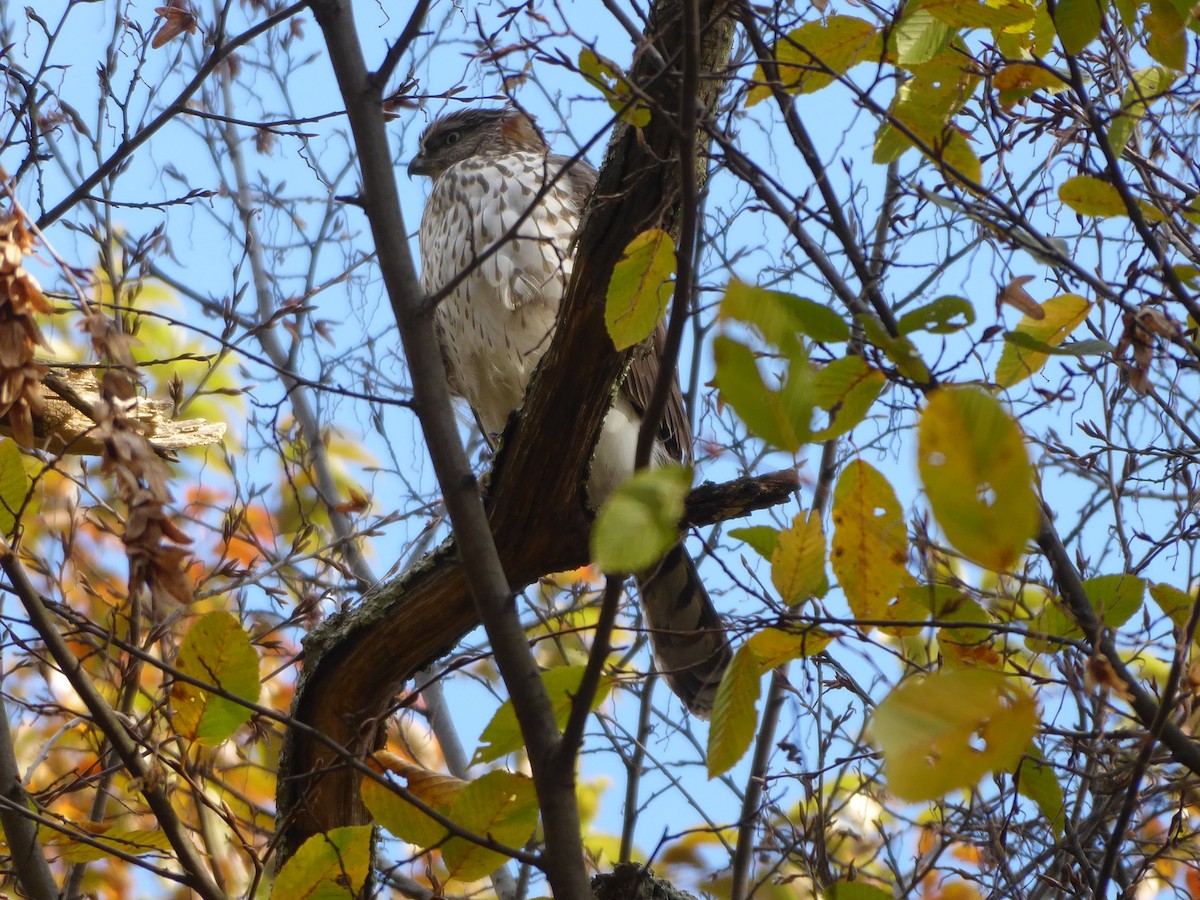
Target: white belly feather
x,y
499,319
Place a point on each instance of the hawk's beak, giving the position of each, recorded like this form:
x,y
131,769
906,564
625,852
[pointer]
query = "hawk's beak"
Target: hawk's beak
x,y
418,166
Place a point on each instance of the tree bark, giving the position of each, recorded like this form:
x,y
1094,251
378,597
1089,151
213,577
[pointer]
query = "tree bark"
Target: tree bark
x,y
356,662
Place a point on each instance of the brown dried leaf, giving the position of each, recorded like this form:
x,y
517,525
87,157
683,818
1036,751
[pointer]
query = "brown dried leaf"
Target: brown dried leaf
x,y
1014,295
177,19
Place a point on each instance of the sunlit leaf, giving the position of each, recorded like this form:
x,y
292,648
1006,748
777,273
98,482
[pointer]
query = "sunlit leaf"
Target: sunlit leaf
x,y
781,317
216,651
1061,315
846,389
919,36
639,522
1037,781
612,82
503,735
1077,23
947,730
899,350
1016,81
1115,597
435,789
763,538
773,647
640,288
836,44
1166,35
1176,605
798,561
945,315
734,714
766,411
967,14
332,865
1090,196
854,890
1145,86
135,842
977,475
500,805
870,540
14,484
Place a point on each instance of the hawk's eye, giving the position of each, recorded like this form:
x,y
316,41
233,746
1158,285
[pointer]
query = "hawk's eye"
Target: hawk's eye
x,y
452,138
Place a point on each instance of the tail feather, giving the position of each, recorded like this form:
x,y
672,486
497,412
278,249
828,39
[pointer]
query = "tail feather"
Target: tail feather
x,y
686,632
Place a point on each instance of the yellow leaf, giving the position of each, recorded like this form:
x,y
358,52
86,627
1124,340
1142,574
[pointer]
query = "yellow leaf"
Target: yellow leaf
x,y
945,731
973,463
400,817
798,562
503,735
1059,317
734,714
995,15
773,647
1089,196
501,805
870,540
813,55
329,865
639,522
640,289
216,651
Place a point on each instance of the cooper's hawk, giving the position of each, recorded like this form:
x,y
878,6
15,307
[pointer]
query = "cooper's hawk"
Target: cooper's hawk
x,y
488,167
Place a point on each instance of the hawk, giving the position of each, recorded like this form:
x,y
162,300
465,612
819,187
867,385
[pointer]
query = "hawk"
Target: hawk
x,y
502,218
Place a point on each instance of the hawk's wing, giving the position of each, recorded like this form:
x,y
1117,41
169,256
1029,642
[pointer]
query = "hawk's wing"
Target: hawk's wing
x,y
675,430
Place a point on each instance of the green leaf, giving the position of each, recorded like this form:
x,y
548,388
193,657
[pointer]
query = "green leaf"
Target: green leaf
x,y
136,842
919,36
14,484
779,317
900,350
1176,606
613,84
854,890
780,419
640,289
836,44
218,652
1017,81
945,731
503,735
870,540
401,818
1166,35
1061,315
639,522
332,865
798,561
773,647
1077,23
1115,597
972,460
996,15
1036,780
846,389
1146,86
945,315
500,805
762,538
734,714
1089,196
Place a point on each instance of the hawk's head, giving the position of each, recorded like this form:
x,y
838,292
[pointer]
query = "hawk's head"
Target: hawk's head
x,y
475,132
